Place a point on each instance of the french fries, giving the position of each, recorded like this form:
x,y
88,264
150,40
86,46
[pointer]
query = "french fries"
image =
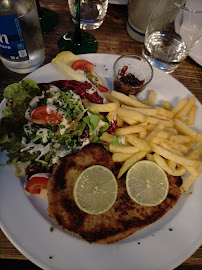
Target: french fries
x,y
188,182
112,114
137,116
109,107
161,134
131,161
180,138
186,109
127,120
107,137
128,130
128,101
192,115
152,97
174,157
123,149
185,129
166,105
139,143
146,111
180,105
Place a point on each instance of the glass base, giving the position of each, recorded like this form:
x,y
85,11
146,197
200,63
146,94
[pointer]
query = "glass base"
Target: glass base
x,y
88,25
165,66
88,43
48,20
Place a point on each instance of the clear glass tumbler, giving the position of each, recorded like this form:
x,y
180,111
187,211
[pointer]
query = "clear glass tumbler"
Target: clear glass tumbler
x,y
92,13
174,28
131,74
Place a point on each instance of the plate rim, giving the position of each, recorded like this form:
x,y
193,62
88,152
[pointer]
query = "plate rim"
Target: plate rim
x,y
41,264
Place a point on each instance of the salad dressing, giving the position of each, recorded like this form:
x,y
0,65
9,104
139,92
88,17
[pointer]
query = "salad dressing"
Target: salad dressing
x,y
28,128
33,147
43,132
91,91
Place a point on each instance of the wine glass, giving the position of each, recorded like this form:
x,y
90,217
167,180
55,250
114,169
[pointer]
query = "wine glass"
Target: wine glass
x,y
78,41
48,18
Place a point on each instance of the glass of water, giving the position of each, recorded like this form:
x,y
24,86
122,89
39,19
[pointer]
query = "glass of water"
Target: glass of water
x,y
78,41
92,13
173,30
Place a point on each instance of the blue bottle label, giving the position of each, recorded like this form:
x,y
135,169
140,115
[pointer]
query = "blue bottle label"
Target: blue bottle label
x,y
12,44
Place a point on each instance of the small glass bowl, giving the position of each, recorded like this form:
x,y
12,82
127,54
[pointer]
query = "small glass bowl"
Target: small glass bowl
x,y
131,74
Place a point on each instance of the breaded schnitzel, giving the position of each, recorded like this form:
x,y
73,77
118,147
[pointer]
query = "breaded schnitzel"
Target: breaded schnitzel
x,y
123,219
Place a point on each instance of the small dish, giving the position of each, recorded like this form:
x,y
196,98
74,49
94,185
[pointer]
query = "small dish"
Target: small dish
x,y
131,74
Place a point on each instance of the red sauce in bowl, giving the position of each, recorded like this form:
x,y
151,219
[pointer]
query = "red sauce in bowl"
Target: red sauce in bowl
x,y
128,83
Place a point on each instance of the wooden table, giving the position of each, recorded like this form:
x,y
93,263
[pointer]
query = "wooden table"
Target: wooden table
x,y
112,38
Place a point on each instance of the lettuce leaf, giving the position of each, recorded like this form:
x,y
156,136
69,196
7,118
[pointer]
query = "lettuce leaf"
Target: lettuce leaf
x,y
18,97
97,124
116,142
18,92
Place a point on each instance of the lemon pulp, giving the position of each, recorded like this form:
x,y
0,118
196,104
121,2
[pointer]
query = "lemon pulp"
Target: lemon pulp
x,y
146,183
95,190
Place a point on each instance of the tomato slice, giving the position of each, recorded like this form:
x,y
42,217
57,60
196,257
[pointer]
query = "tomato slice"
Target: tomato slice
x,y
103,88
83,65
36,184
46,115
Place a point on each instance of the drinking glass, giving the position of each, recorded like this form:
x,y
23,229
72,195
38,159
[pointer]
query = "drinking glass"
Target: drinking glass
x,y
131,74
174,28
78,41
48,18
92,13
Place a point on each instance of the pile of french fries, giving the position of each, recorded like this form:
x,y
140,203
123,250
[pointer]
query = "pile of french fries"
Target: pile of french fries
x,y
161,134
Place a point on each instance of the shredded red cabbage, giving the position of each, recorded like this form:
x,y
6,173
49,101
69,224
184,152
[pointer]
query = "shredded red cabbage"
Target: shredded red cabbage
x,y
112,128
79,87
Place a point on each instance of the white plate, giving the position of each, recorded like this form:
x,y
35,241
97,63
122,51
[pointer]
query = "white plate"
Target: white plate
x,y
118,2
26,223
196,52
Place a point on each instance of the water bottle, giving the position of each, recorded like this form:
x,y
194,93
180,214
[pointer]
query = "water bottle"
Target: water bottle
x,y
21,42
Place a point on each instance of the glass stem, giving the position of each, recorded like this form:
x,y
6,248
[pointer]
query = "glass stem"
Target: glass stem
x,y
77,34
38,8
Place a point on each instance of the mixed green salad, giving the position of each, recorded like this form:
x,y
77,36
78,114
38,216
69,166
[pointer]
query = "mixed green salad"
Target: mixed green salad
x,y
43,122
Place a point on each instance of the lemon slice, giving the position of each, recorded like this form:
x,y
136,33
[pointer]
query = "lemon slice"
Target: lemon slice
x,y
95,190
146,183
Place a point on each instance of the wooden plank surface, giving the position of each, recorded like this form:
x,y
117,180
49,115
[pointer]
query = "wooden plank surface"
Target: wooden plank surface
x,y
112,38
